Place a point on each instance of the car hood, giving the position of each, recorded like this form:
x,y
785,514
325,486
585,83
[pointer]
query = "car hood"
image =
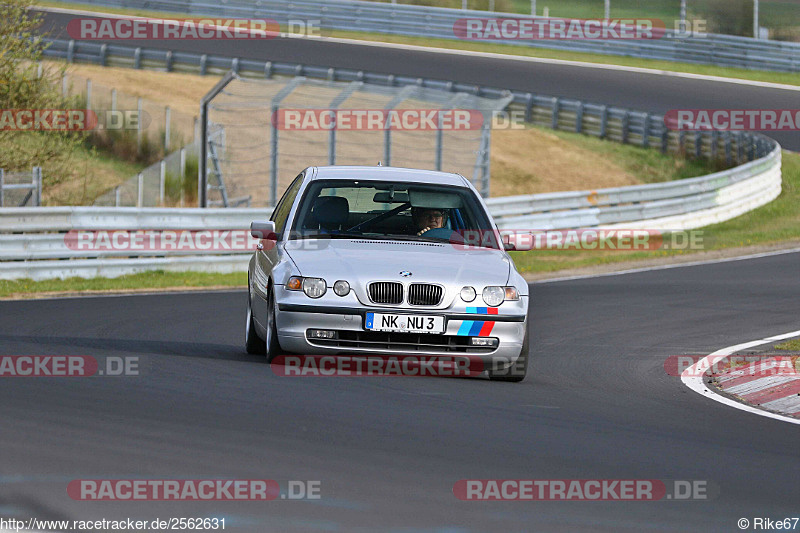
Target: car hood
x,y
360,261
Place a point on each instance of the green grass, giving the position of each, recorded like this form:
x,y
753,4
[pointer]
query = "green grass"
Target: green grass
x,y
649,165
793,345
778,221
752,75
147,280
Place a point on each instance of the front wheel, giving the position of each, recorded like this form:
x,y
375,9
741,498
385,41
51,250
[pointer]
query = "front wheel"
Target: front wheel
x,y
254,344
273,347
517,371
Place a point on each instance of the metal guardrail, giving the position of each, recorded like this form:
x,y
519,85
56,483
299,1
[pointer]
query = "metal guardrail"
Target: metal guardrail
x,y
37,243
437,22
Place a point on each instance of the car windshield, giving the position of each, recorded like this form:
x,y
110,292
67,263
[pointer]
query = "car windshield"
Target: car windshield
x,y
388,210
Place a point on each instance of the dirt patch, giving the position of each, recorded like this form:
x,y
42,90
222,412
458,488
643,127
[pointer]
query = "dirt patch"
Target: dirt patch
x,y
534,161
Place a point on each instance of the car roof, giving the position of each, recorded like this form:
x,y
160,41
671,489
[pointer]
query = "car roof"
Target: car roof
x,y
409,175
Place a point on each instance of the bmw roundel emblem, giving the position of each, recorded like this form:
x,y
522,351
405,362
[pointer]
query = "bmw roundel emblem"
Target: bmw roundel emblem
x,y
405,273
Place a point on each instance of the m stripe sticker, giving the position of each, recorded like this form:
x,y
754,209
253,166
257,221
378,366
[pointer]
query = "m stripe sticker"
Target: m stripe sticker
x,y
475,328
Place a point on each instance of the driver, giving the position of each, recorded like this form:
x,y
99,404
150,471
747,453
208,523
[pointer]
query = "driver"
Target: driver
x,y
426,219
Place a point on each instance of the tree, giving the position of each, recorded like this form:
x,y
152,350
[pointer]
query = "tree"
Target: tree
x,y
26,84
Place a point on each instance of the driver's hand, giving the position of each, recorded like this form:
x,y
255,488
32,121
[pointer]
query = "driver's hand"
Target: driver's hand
x,y
423,230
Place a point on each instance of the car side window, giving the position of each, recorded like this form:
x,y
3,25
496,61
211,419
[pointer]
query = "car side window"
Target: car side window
x,y
281,213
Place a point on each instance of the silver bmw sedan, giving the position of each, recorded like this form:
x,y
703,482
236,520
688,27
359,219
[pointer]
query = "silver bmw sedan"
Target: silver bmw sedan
x,y
386,261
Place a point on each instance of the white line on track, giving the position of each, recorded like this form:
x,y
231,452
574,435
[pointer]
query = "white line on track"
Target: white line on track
x,y
696,383
489,55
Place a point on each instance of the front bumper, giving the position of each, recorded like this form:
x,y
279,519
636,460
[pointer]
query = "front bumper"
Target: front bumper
x,y
345,316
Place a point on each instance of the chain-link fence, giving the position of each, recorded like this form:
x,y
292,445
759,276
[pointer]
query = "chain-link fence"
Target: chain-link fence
x,y
266,131
171,182
129,126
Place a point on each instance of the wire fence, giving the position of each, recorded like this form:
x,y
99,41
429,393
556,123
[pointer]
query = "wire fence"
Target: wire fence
x,y
21,189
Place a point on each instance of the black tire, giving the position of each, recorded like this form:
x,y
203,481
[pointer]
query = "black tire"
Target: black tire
x,y
254,344
517,371
273,347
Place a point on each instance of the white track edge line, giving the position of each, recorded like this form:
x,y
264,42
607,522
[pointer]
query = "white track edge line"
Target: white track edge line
x,y
494,55
697,384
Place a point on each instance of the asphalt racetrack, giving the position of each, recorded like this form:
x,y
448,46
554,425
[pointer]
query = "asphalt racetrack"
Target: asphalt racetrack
x,y
597,404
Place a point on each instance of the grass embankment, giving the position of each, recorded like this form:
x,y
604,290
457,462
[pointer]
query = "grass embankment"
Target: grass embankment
x,y
156,280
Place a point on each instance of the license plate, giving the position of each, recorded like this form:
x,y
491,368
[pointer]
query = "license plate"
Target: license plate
x,y
404,323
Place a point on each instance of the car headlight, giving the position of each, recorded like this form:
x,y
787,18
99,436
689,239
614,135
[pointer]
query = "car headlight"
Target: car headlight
x,y
495,295
468,294
341,287
314,287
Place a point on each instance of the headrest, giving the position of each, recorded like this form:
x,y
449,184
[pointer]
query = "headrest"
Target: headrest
x,y
331,210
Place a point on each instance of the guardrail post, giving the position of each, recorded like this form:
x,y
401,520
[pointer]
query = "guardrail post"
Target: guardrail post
x,y
71,51
2,180
579,118
38,184
183,171
698,144
664,139
714,144
235,65
646,131
728,149
554,117
162,180
273,170
626,124
103,54
682,142
439,142
137,58
268,69
168,65
739,148
203,64
529,107
139,125
603,122
167,117
140,191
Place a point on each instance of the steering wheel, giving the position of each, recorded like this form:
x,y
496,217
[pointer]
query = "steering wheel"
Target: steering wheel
x,y
437,233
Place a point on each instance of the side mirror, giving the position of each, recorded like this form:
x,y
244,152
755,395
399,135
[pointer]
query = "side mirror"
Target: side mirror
x,y
509,246
263,229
